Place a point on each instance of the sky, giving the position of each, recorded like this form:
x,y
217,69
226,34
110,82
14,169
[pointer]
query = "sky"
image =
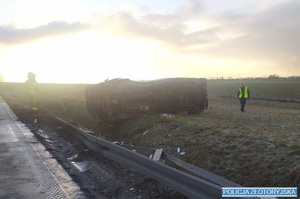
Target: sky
x,y
89,41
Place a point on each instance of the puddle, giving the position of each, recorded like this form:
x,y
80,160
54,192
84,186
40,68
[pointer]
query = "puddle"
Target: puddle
x,y
82,166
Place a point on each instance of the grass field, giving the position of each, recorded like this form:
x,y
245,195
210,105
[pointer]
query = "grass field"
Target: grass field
x,y
269,89
217,139
68,100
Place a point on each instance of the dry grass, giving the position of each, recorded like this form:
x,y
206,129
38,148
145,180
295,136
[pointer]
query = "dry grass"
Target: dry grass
x,y
218,139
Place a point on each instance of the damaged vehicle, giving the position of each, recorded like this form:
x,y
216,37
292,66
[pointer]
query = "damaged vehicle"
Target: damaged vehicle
x,y
122,99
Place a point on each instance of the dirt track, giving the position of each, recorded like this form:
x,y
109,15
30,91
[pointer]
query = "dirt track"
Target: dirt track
x,y
260,147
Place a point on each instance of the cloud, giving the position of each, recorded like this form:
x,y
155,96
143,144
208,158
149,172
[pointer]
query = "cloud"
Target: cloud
x,y
12,35
269,34
276,28
163,28
191,8
272,33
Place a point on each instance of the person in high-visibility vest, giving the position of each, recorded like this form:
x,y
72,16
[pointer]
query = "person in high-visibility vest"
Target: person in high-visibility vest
x,y
32,90
243,95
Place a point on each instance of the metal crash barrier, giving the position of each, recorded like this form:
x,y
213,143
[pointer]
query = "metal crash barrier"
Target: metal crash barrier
x,y
207,185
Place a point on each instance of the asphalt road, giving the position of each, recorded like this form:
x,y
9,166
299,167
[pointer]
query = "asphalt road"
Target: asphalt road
x,y
27,170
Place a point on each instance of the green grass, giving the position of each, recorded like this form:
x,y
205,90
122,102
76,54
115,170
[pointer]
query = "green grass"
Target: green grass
x,y
275,89
71,97
211,148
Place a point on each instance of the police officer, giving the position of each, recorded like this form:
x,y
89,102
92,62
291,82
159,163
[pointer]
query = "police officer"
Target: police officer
x,y
243,95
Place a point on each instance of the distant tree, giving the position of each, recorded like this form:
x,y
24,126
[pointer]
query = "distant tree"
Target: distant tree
x,y
294,77
274,76
1,78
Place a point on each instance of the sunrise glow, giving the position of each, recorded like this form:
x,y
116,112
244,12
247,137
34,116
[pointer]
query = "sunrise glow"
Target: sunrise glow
x,y
88,41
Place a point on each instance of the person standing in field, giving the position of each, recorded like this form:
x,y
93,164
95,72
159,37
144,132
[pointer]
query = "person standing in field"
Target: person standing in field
x,y
32,90
243,95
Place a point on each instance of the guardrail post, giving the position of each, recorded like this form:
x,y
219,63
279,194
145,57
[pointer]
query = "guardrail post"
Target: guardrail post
x,y
157,157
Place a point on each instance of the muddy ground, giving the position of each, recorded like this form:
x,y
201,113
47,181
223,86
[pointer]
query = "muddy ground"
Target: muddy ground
x,y
260,147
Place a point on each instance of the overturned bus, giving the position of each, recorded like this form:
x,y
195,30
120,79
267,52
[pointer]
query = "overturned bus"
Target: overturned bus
x,y
122,99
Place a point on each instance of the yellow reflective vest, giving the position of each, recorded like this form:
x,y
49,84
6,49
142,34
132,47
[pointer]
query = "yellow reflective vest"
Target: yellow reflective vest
x,y
245,93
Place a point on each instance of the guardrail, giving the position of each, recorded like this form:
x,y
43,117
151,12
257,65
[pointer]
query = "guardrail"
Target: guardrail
x,y
186,184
